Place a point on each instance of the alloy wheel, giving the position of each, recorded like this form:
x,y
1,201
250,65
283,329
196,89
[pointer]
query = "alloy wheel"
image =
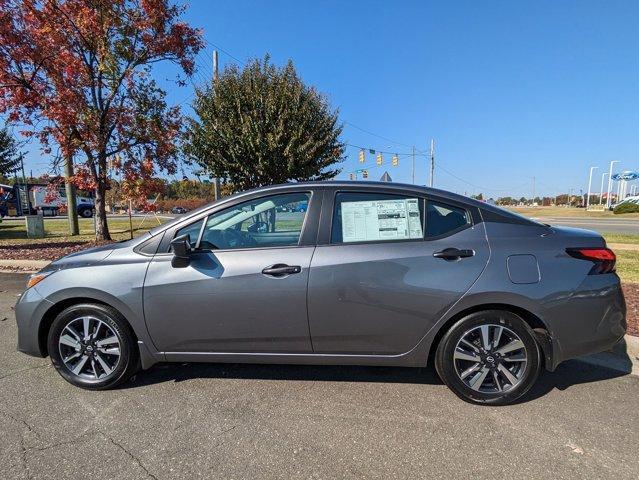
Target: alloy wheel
x,y
490,358
89,348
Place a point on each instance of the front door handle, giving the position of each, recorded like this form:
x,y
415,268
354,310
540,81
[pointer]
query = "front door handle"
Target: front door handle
x,y
453,254
281,270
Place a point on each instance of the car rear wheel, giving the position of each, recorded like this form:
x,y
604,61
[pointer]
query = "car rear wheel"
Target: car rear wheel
x,y
489,357
92,346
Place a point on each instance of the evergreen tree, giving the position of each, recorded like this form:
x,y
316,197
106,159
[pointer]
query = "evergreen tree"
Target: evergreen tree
x,y
9,157
262,125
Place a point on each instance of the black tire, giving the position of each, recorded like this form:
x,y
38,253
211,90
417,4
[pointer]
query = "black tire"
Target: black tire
x,y
450,369
86,212
126,364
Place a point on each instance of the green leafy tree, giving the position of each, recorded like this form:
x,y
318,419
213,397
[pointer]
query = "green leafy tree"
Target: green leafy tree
x,y
9,157
262,125
506,201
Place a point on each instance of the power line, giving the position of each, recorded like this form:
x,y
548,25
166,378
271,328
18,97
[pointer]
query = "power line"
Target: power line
x,y
375,150
415,152
479,186
225,52
376,135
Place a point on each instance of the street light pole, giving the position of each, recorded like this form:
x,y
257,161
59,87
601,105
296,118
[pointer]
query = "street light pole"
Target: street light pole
x,y
603,175
610,183
589,184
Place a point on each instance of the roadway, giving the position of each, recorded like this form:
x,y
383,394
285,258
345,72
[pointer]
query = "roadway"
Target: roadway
x,y
602,225
267,421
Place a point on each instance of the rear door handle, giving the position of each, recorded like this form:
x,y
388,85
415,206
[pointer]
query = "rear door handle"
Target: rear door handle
x,y
281,270
453,253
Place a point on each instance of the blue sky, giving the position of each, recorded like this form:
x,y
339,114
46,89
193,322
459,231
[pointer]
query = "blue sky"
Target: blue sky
x,y
508,90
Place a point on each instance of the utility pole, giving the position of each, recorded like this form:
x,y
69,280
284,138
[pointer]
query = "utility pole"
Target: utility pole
x,y
589,184
432,161
413,164
24,178
533,190
72,213
26,190
216,181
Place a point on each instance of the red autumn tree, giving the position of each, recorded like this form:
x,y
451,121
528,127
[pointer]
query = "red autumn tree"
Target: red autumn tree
x,y
84,67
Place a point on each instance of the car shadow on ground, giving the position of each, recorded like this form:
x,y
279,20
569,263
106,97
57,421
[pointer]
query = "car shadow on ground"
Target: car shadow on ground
x,y
572,372
179,372
567,374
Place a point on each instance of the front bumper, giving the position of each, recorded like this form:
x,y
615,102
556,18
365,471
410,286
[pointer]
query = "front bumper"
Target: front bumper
x,y
29,311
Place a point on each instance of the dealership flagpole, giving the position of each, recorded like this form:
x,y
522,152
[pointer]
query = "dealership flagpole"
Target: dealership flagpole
x,y
608,202
601,191
589,185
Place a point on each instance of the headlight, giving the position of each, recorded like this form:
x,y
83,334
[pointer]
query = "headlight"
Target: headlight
x,y
37,278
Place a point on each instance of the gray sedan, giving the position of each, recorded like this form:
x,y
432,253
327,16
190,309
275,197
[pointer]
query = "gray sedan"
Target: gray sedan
x,y
333,273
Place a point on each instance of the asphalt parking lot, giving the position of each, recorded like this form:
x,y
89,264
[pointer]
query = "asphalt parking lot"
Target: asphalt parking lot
x,y
263,421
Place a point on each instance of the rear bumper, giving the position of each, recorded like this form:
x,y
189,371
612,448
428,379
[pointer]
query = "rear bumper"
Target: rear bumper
x,y
592,320
29,311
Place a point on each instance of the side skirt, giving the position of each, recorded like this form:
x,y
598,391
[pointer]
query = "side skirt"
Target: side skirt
x,y
410,359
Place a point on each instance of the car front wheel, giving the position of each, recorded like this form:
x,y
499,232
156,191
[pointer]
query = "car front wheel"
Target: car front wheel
x,y
489,357
92,346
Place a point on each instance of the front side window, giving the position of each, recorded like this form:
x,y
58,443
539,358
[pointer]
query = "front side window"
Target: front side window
x,y
273,221
372,217
192,230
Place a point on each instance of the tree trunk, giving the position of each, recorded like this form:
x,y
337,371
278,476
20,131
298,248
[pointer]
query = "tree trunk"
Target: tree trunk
x,y
101,225
72,210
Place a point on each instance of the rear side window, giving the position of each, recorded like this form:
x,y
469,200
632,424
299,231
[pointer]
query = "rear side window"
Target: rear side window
x,y
373,217
442,219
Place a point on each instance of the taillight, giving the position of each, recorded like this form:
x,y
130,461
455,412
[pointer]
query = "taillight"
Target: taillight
x,y
603,258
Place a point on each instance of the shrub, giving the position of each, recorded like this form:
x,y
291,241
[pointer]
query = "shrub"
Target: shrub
x,y
626,207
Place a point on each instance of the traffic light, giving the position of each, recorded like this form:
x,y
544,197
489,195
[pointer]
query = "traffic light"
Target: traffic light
x,y
351,176
379,158
364,173
362,156
395,160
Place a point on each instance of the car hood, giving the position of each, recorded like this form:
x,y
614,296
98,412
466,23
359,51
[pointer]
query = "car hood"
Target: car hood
x,y
92,255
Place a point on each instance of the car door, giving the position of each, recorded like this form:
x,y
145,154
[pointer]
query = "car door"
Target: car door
x,y
244,289
387,268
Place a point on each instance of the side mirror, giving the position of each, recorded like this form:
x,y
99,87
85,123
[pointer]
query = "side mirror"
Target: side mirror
x,y
181,247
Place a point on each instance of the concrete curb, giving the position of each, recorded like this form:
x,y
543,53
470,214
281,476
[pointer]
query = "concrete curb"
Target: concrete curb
x,y
623,357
